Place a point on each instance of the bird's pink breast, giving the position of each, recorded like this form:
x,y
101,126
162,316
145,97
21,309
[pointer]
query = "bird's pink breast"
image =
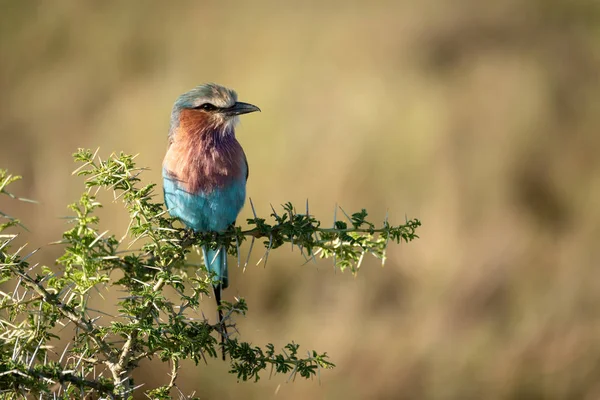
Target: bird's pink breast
x,y
200,157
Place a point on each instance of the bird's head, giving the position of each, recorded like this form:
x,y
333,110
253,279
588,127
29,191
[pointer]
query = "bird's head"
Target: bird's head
x,y
210,106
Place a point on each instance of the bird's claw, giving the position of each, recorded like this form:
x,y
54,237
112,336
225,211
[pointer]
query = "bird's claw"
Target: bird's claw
x,y
188,238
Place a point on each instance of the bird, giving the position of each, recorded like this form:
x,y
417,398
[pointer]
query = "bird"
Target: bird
x,y
205,170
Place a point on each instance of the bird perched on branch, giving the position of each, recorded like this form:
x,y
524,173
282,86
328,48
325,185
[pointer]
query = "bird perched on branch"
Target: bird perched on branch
x,y
205,169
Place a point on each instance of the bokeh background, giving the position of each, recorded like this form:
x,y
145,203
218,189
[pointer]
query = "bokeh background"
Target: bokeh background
x,y
479,118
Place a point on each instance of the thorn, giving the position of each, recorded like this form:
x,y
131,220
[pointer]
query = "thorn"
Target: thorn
x,y
252,205
127,231
79,361
335,215
39,318
274,212
16,291
306,259
203,356
16,352
97,239
348,217
34,353
29,255
266,256
249,252
360,260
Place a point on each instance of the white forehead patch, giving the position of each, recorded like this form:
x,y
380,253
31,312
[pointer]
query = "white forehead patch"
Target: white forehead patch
x,y
216,95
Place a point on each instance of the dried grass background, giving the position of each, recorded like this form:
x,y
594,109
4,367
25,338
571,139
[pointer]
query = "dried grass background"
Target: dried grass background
x,y
480,118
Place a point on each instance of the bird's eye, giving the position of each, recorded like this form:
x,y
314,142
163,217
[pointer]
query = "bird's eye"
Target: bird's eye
x,y
207,107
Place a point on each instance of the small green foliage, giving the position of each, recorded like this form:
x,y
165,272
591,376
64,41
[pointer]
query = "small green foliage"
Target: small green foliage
x,y
6,221
248,361
347,246
152,322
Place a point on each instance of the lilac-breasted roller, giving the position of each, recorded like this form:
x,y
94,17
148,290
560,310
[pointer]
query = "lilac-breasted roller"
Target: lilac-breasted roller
x,y
205,168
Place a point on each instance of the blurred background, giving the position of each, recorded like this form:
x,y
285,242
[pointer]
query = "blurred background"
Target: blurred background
x,y
479,118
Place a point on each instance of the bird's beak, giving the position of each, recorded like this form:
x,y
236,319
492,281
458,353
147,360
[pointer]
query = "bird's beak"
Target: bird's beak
x,y
240,108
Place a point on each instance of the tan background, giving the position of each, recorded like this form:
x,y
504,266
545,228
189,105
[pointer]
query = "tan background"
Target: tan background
x,y
480,118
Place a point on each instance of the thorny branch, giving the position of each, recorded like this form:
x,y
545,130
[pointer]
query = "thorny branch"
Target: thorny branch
x,y
151,323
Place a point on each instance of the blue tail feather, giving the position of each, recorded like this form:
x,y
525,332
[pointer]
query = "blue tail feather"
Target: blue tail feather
x,y
216,262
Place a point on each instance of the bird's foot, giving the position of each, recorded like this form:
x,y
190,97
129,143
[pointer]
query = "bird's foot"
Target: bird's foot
x,y
188,238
